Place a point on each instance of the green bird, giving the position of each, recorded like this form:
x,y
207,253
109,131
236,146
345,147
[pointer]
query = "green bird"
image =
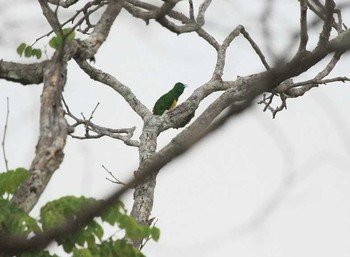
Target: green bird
x,y
169,100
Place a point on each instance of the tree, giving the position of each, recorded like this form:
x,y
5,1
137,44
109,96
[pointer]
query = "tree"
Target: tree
x,y
57,121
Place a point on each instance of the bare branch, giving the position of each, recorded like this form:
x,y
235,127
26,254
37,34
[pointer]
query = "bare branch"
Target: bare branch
x,y
51,17
326,81
116,180
136,7
303,25
117,86
221,53
25,74
321,14
328,23
89,47
87,11
165,8
256,48
123,134
277,109
201,12
330,66
4,135
289,89
52,140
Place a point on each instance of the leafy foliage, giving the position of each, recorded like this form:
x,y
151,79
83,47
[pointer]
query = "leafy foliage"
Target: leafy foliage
x,y
56,41
55,213
28,51
88,241
109,248
14,221
10,181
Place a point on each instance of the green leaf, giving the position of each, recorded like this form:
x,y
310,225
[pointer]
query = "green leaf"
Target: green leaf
x,y
21,48
111,215
82,253
28,51
98,230
90,236
15,221
91,241
68,246
155,233
56,41
36,52
11,180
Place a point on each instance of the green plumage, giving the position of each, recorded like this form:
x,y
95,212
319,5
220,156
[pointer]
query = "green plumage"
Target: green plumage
x,y
169,100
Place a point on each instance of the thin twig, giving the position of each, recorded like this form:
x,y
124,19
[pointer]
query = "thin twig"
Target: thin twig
x,y
4,135
116,180
256,48
93,111
123,134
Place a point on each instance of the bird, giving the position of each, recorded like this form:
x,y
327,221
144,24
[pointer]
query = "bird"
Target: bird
x,y
168,101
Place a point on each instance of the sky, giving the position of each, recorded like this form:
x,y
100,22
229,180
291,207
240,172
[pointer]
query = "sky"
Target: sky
x,y
256,187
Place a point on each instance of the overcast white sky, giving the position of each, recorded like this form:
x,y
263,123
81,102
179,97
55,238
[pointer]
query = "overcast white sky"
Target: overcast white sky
x,y
234,193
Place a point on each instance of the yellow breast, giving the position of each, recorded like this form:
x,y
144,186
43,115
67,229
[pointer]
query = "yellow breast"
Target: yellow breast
x,y
173,105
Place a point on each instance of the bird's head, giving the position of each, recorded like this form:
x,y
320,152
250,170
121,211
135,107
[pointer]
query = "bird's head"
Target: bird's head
x,y
179,87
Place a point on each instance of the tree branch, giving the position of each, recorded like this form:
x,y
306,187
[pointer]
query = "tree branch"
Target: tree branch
x,y
303,25
123,134
328,23
53,134
25,74
117,86
98,130
89,47
51,16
